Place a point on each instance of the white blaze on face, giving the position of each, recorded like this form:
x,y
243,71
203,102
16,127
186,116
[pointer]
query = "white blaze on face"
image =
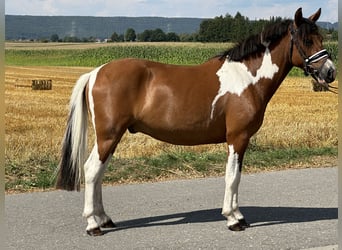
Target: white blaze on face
x,y
235,77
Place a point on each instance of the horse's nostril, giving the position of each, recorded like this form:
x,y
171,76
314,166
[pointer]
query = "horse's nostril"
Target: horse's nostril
x,y
331,74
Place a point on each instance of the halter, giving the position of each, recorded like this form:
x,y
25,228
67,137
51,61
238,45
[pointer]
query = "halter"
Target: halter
x,y
308,69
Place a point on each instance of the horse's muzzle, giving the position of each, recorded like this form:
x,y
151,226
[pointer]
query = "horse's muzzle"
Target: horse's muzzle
x,y
327,72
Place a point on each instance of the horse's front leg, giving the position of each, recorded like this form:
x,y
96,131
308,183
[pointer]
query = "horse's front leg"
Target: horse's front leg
x,y
93,205
235,219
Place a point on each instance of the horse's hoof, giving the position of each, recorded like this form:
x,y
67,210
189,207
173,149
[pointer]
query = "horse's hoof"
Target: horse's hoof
x,y
244,223
236,227
95,232
108,224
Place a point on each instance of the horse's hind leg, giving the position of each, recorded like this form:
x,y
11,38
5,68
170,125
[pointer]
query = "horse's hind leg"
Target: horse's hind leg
x,y
93,207
93,172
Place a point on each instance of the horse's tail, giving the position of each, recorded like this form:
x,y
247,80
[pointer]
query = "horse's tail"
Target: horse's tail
x,y
75,139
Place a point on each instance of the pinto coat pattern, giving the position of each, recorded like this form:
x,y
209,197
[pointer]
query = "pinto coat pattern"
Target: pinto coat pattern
x,y
221,100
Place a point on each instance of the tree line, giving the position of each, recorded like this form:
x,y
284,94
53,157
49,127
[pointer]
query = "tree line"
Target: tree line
x,y
234,29
156,35
219,29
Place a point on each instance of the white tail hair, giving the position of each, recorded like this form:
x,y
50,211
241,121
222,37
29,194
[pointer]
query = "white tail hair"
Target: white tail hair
x,y
75,139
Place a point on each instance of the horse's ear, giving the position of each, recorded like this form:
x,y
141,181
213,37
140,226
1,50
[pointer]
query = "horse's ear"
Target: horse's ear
x,y
299,17
315,16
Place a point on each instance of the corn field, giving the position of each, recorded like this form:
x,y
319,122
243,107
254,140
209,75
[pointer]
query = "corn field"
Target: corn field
x,y
83,55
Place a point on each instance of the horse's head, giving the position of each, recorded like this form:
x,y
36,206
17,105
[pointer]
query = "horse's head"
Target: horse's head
x,y
307,49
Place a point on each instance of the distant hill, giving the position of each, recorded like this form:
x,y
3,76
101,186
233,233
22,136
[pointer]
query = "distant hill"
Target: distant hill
x,y
328,26
37,27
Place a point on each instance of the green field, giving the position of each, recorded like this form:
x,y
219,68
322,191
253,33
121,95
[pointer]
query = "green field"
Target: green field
x,y
92,57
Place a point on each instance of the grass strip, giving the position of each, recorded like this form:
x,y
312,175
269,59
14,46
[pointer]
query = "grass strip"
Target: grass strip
x,y
38,174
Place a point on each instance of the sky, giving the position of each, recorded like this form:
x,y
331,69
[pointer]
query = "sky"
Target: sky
x,y
253,9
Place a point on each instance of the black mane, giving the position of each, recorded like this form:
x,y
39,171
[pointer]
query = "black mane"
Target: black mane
x,y
256,43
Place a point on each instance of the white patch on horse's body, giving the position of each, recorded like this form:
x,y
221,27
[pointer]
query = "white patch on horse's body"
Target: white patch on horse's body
x,y
92,79
235,77
232,179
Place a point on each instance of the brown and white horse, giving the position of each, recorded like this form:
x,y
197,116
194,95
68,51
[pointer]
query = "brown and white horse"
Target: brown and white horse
x,y
221,100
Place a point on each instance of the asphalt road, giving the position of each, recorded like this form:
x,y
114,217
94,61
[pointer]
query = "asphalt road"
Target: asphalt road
x,y
290,209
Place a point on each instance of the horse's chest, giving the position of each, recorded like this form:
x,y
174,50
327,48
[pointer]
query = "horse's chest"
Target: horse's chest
x,y
235,78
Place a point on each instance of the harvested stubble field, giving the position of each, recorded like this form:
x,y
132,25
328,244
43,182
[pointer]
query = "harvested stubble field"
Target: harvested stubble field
x,y
35,122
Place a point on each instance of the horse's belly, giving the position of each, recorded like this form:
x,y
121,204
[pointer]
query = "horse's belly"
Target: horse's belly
x,y
186,138
184,134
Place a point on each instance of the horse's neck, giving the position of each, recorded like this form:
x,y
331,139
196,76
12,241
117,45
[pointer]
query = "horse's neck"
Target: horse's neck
x,y
280,55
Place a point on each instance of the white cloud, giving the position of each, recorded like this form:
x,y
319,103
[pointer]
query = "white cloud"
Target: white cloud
x,y
331,11
48,7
